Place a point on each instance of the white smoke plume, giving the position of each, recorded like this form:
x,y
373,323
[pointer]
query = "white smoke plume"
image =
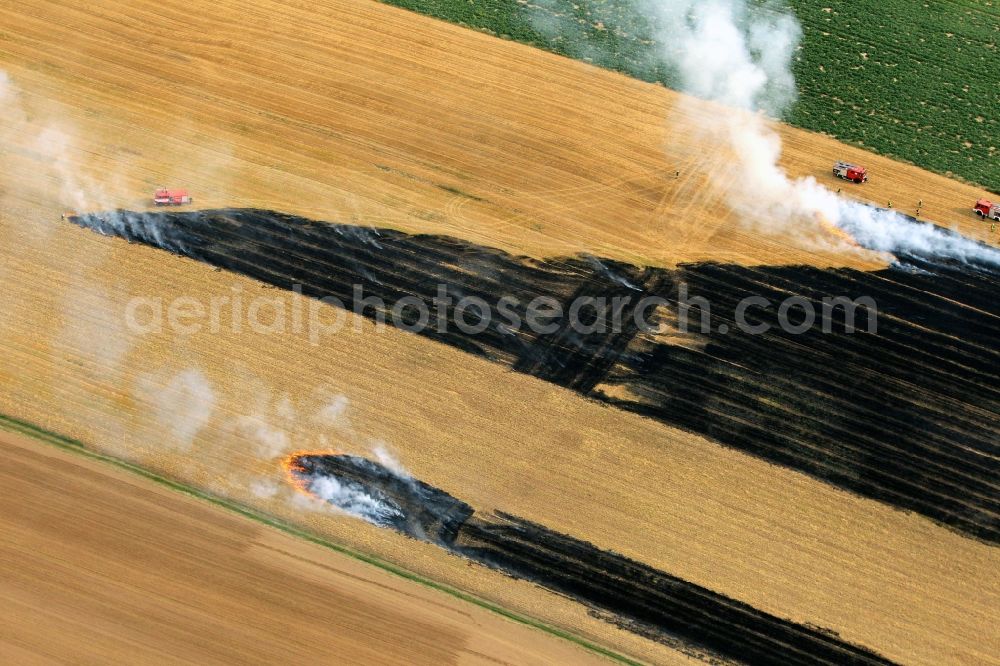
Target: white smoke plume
x,y
388,459
352,499
51,144
13,116
181,404
270,442
738,54
55,144
728,51
264,488
333,413
267,423
266,420
887,231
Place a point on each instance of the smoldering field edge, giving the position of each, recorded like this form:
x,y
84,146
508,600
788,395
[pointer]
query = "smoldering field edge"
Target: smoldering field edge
x,y
851,409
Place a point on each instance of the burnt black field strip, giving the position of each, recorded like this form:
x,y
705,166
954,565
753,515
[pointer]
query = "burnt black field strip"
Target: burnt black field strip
x,y
905,415
633,595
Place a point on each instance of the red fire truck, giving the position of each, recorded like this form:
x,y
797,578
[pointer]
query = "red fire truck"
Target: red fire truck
x,y
852,172
168,197
987,210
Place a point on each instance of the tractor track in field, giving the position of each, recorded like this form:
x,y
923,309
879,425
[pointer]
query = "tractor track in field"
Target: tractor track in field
x,y
627,593
903,415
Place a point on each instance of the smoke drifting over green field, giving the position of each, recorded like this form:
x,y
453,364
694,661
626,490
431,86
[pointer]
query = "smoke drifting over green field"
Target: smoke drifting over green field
x,y
912,81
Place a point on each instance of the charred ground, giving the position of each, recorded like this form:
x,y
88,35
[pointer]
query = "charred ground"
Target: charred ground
x,y
905,414
631,594
402,503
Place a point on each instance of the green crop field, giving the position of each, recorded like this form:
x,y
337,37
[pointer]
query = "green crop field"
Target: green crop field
x,y
917,81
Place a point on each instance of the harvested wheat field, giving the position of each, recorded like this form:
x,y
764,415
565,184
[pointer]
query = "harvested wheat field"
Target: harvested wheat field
x,y
358,113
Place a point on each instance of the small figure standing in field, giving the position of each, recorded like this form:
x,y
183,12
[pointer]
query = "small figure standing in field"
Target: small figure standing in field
x,y
993,228
890,203
677,174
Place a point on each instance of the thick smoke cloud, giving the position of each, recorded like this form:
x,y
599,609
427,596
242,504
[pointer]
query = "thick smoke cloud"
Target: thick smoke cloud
x,y
738,56
353,499
729,52
886,231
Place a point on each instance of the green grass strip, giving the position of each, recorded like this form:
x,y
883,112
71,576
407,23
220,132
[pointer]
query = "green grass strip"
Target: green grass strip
x,y
40,434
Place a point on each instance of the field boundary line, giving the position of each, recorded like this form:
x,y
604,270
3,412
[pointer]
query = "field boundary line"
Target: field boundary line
x,y
17,426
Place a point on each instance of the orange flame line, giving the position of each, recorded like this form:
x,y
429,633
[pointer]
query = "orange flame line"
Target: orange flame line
x,y
296,474
832,229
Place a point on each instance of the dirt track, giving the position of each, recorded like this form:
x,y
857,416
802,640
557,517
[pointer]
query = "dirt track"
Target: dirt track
x,y
104,567
367,114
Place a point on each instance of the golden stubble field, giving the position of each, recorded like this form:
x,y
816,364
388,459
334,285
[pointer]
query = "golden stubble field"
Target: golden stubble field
x,y
354,111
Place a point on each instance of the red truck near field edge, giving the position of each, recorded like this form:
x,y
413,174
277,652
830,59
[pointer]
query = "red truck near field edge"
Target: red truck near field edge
x,y
987,210
852,172
168,197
